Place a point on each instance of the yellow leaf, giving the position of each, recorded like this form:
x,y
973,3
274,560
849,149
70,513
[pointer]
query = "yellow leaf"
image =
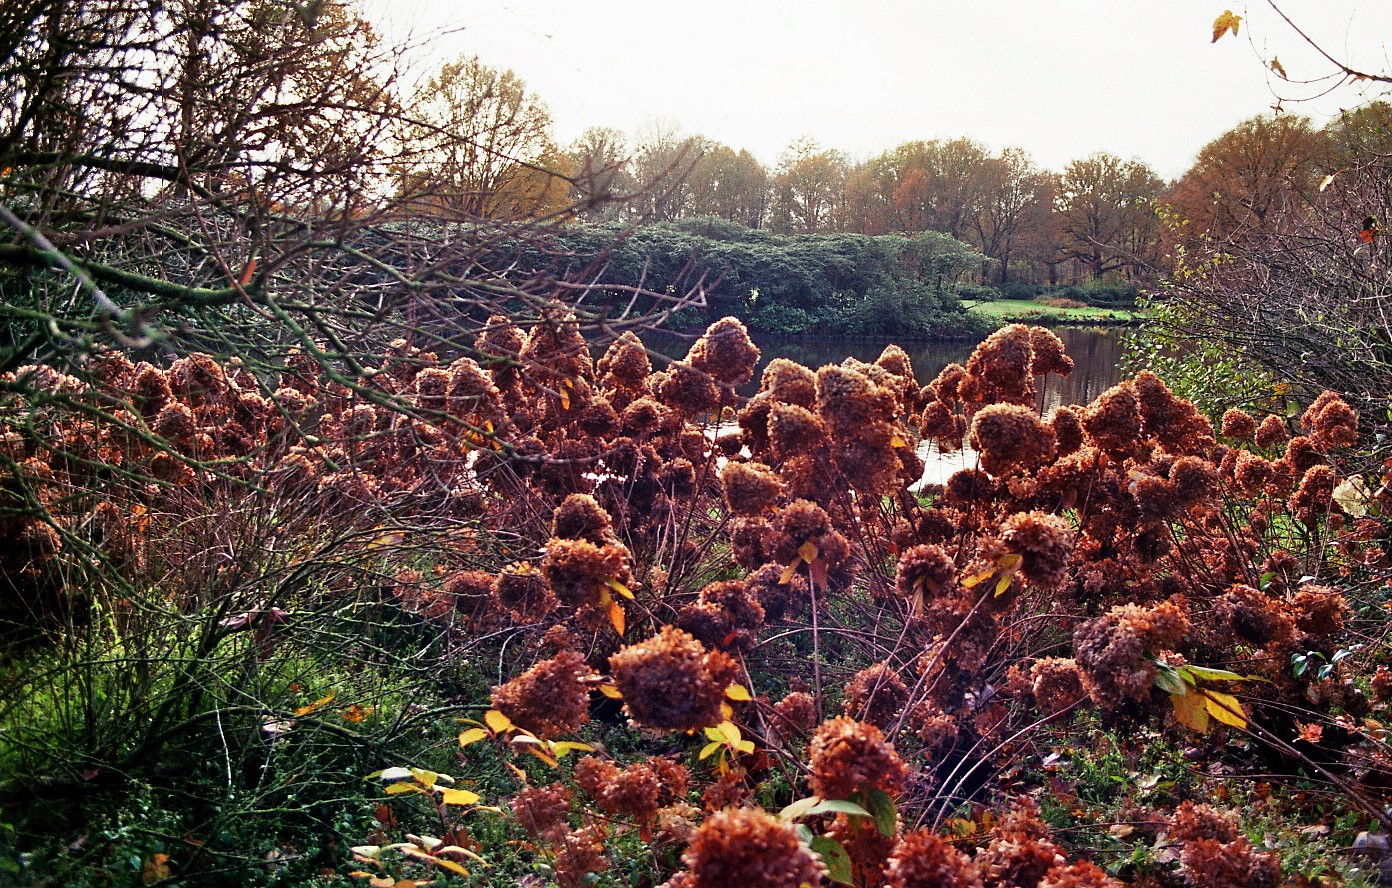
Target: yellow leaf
x,y
565,400
787,576
729,732
473,735
610,691
1189,711
543,756
1002,584
430,778
977,579
322,701
497,722
808,551
458,797
898,441
1225,23
726,710
714,734
450,865
399,788
745,746
738,692
616,616
620,588
1278,68
1225,708
568,746
709,749
1010,562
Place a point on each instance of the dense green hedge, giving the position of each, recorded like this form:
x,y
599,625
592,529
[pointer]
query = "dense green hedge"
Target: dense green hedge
x,y
826,283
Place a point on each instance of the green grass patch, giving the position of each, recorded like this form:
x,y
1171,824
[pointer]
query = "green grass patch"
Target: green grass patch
x,y
1025,311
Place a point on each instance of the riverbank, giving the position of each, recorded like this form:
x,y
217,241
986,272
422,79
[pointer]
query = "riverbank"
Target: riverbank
x,y
1027,312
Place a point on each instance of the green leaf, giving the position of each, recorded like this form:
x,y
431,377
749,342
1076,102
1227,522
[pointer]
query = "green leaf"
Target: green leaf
x,y
839,806
1169,680
1215,674
838,862
800,808
881,807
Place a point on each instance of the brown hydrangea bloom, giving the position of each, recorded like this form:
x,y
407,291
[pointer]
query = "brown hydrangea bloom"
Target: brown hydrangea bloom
x,y
866,846
688,391
523,590
747,545
926,568
581,854
578,569
554,348
789,383
729,443
896,361
644,416
625,365
1011,437
551,699
751,488
1174,422
1271,432
875,695
1253,616
795,715
1067,423
1330,422
542,810
968,486
1113,421
749,848
580,517
1056,684
923,859
176,424
726,615
795,431
1111,650
1251,474
1214,855
1045,543
1079,874
1382,684
1049,355
470,592
670,682
1020,851
850,401
941,425
847,757
776,598
1239,425
197,379
725,352
1000,368
727,791
1312,499
635,791
1319,610
805,522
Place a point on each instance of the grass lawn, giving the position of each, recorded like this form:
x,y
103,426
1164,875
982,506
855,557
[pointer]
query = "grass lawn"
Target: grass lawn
x,y
1033,312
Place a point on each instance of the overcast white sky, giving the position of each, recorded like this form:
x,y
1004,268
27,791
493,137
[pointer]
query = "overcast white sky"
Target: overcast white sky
x,y
1061,78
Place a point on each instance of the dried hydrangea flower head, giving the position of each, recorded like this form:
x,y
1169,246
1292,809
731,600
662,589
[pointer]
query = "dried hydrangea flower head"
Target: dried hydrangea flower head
x,y
543,811
802,523
1330,422
788,382
725,352
554,348
749,848
795,431
923,859
1020,851
1056,685
1176,423
688,391
670,682
751,488
795,715
579,571
500,345
876,694
551,699
1271,432
849,757
999,370
1314,497
1239,425
1113,421
580,517
726,615
849,401
1049,355
1044,542
1213,853
625,367
925,569
1011,438
1114,651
